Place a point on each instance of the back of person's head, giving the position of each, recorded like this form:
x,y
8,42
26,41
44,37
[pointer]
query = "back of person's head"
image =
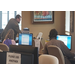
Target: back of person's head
x,y
53,34
10,34
17,16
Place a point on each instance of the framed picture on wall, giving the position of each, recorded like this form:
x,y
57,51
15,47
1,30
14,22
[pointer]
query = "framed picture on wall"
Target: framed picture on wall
x,y
43,17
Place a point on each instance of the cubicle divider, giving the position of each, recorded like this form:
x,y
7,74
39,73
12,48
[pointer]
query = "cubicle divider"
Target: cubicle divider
x,y
16,58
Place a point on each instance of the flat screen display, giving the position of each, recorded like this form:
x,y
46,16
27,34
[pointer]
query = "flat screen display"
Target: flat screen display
x,y
25,39
66,39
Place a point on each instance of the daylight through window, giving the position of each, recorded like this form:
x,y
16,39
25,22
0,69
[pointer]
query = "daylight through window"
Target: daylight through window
x,y
5,16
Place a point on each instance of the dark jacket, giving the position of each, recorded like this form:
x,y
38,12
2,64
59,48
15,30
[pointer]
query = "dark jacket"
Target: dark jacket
x,y
12,24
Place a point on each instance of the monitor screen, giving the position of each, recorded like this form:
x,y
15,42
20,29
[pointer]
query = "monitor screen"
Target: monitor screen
x,y
25,50
25,39
66,39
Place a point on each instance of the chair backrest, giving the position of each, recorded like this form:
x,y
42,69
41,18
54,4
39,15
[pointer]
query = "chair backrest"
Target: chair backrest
x,y
4,47
56,51
48,59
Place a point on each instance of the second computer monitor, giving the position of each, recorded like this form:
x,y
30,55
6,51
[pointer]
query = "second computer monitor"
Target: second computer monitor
x,y
25,39
66,39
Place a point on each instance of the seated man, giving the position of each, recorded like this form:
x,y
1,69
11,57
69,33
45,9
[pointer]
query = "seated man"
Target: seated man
x,y
66,52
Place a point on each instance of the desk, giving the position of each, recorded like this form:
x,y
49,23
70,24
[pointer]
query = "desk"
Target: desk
x,y
33,44
25,58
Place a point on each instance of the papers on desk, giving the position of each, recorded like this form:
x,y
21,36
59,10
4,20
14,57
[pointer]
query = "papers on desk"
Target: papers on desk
x,y
39,35
13,58
37,43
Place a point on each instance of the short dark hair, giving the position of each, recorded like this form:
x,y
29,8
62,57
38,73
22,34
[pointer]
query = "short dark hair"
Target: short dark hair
x,y
17,16
53,34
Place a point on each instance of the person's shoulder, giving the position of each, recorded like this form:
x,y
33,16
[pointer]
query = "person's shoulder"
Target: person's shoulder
x,y
11,19
49,42
12,40
57,41
61,41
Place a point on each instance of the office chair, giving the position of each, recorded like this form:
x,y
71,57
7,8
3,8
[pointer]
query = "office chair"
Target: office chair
x,y
4,47
48,59
54,50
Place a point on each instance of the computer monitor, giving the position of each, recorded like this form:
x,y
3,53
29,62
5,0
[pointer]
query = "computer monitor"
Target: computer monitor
x,y
66,39
25,39
25,50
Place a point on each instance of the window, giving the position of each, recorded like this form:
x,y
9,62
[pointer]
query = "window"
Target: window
x,y
69,22
5,16
4,19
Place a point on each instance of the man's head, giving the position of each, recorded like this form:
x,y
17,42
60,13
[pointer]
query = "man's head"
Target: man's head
x,y
18,18
53,34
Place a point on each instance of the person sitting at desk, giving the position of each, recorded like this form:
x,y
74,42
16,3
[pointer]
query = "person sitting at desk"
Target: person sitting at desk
x,y
66,52
9,38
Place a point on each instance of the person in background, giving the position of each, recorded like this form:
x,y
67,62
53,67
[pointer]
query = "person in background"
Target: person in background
x,y
52,36
9,38
12,24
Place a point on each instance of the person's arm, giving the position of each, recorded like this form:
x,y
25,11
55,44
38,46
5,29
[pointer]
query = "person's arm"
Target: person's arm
x,y
13,42
3,41
16,28
66,51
